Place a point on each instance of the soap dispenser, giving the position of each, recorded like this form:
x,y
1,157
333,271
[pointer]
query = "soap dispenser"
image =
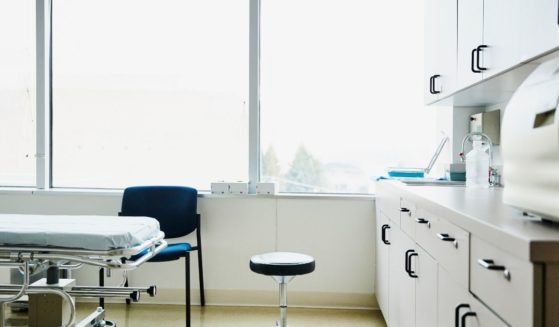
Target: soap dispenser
x,y
478,161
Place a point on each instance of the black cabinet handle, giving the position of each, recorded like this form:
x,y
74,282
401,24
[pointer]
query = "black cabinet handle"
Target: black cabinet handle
x,y
421,220
434,78
473,67
445,237
479,50
407,262
412,273
457,313
404,210
383,234
431,85
490,264
466,315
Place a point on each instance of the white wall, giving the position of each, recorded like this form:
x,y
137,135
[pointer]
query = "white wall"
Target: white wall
x,y
337,231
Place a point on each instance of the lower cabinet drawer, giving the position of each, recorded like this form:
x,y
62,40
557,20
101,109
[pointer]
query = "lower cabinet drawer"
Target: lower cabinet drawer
x,y
509,286
447,243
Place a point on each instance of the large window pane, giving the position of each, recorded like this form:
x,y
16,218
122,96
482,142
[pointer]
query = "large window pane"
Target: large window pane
x,y
150,92
341,95
17,93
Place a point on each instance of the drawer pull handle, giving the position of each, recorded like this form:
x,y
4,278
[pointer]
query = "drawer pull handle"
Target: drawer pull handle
x,y
404,210
445,237
466,315
421,220
383,234
457,313
490,264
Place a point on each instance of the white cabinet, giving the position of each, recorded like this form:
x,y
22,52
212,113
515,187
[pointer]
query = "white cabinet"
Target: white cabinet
x,y
383,238
539,27
440,48
452,299
406,275
401,307
413,284
469,41
488,38
470,36
458,308
426,290
501,33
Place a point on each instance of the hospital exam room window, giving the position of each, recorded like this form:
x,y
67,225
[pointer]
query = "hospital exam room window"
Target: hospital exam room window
x,y
150,92
17,93
341,93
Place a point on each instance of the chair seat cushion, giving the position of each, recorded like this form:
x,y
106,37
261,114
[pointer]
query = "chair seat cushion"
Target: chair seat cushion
x,y
282,264
170,253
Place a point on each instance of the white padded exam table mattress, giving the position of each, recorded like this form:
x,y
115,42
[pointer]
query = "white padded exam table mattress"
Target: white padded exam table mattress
x,y
77,232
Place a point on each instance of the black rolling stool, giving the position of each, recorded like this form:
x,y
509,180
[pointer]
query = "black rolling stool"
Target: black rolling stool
x,y
282,267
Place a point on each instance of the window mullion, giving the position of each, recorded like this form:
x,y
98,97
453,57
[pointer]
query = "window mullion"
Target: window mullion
x,y
43,40
254,95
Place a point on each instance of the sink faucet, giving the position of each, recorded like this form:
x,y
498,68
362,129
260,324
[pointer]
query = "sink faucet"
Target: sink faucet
x,y
494,176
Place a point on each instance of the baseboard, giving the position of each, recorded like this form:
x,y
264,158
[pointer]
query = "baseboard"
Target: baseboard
x,y
265,298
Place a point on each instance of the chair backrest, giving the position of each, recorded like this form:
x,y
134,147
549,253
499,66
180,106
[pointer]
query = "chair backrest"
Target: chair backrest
x,y
173,206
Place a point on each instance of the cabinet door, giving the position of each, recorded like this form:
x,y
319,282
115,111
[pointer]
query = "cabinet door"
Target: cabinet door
x,y
501,34
539,27
456,307
479,316
470,36
426,290
401,307
440,48
382,277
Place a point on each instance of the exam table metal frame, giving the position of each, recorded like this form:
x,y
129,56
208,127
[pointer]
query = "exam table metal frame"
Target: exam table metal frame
x,y
32,259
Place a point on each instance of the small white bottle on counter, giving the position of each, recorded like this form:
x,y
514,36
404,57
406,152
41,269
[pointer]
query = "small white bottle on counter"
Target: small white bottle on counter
x,y
477,166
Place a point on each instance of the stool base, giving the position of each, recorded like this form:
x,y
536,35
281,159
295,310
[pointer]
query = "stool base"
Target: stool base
x,y
282,281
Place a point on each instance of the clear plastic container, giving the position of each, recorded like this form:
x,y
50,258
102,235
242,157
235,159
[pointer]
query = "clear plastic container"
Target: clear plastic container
x,y
477,166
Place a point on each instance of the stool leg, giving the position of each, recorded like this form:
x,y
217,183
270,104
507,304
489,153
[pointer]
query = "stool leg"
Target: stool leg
x,y
283,304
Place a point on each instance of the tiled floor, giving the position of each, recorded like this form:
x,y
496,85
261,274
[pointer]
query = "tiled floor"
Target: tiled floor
x,y
140,315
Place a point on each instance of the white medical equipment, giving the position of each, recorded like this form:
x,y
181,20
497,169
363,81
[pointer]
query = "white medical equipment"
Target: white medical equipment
x,y
530,144
34,243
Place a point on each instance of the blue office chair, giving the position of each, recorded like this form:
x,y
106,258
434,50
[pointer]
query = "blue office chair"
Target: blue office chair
x,y
175,209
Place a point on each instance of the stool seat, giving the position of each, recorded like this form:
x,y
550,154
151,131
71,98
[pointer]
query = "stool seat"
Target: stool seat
x,y
282,264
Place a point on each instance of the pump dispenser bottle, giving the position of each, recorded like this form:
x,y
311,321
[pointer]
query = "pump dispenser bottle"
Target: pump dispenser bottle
x,y
478,161
477,166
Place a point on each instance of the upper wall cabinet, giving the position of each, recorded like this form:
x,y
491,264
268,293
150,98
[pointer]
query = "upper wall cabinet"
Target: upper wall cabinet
x,y
470,36
494,40
539,27
488,33
440,48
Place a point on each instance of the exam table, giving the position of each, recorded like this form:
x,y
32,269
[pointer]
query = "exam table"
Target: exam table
x,y
37,243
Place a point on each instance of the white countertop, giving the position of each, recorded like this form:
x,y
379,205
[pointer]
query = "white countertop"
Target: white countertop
x,y
483,213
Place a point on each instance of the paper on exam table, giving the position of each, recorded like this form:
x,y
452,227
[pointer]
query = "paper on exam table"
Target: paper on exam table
x,y
83,232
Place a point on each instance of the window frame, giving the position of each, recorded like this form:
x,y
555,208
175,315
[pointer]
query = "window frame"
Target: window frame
x,y
44,105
